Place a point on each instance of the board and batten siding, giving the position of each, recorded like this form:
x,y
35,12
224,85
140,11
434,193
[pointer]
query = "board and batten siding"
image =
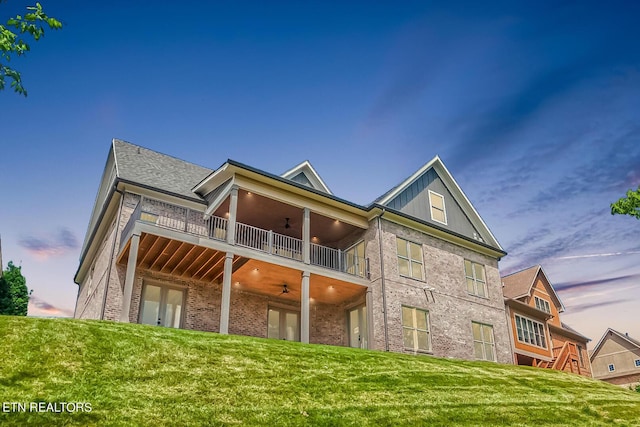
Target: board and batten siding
x,y
414,201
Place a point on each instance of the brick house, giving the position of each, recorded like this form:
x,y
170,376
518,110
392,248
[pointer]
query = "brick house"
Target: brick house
x,y
539,337
239,250
616,359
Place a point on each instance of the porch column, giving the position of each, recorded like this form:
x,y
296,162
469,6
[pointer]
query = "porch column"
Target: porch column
x,y
233,211
369,307
306,236
304,308
226,294
130,277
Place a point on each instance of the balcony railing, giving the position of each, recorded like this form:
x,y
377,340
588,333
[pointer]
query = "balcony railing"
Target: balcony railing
x,y
190,221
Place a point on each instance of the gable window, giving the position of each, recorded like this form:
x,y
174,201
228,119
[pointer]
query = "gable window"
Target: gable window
x,y
483,343
530,332
476,280
410,262
542,304
415,329
612,367
438,212
637,362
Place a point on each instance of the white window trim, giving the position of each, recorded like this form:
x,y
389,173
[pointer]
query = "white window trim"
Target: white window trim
x,y
611,367
410,260
493,343
544,330
543,302
415,329
444,207
475,280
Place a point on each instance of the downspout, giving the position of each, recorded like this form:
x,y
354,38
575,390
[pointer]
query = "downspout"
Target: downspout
x,y
384,293
113,250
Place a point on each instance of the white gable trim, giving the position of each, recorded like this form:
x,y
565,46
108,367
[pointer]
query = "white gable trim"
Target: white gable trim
x,y
456,191
306,168
215,203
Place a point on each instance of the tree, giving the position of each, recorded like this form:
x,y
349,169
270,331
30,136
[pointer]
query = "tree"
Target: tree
x,y
12,44
629,205
14,295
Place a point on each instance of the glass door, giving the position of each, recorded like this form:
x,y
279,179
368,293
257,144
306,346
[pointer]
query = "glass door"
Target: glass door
x,y
283,324
162,306
358,335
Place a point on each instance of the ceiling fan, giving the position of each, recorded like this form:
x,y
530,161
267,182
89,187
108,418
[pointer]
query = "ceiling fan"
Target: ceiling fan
x,y
285,290
286,224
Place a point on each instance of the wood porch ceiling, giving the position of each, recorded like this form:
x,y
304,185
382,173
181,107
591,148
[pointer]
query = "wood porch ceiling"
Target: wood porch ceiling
x,y
180,259
189,261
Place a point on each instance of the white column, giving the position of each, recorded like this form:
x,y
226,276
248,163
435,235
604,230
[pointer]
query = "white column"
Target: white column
x,y
130,277
226,294
306,236
369,305
233,211
304,308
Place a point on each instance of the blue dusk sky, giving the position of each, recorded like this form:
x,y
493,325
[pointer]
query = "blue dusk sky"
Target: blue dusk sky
x,y
533,106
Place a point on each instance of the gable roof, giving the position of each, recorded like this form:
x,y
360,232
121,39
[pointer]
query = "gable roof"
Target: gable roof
x,y
455,190
149,168
604,336
309,173
519,284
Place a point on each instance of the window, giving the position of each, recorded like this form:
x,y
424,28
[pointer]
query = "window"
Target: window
x,y
637,362
409,259
415,329
580,355
438,212
476,280
483,343
542,304
612,367
530,332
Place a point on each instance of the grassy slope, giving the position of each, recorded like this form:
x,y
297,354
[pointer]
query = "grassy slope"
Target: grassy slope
x,y
140,375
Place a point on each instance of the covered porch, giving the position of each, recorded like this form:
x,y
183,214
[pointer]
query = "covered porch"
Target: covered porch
x,y
180,283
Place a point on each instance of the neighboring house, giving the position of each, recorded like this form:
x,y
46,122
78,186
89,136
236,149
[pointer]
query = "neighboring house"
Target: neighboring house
x,y
539,337
616,359
242,251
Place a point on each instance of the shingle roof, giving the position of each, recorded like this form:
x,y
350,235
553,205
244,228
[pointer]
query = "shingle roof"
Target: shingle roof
x,y
519,283
570,329
150,168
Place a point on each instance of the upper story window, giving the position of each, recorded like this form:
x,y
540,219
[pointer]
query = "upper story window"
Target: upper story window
x,y
438,212
483,342
410,262
476,280
530,332
542,304
612,367
354,259
637,362
415,329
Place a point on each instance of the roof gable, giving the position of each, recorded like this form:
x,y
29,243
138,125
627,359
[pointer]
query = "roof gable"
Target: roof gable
x,y
412,197
305,174
520,284
606,334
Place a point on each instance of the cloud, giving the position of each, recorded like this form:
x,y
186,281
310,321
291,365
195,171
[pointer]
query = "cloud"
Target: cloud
x,y
586,306
38,307
581,285
61,243
598,255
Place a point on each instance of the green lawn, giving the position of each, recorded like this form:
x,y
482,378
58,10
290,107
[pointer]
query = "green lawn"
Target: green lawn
x,y
141,375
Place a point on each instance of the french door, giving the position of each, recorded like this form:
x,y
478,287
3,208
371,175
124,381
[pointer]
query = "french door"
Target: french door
x,y
283,324
162,306
358,327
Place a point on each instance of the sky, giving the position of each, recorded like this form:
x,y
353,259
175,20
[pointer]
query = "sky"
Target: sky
x,y
534,108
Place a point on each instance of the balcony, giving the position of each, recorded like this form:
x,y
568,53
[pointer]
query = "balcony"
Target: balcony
x,y
178,218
